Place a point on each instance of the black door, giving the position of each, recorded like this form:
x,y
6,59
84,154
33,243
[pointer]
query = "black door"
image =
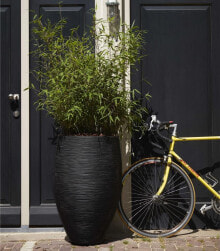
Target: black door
x,y
43,210
10,167
183,48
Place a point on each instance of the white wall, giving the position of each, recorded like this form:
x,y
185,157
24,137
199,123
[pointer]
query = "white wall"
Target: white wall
x,y
117,225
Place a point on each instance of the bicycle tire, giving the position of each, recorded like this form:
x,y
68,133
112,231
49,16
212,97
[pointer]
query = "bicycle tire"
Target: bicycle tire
x,y
147,215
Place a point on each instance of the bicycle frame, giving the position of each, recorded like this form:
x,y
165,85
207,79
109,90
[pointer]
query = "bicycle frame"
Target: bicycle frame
x,y
180,160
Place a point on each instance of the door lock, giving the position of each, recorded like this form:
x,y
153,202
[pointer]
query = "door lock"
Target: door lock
x,y
14,98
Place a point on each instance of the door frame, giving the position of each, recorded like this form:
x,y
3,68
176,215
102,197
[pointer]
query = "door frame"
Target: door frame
x,y
24,113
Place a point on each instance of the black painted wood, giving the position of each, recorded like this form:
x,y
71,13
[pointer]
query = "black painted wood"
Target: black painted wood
x,y
183,48
10,168
48,214
42,152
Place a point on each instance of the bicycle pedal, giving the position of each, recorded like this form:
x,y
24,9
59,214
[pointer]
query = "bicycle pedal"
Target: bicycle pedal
x,y
210,179
205,208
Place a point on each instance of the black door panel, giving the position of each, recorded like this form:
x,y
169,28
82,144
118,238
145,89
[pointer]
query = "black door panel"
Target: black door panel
x,y
10,167
43,210
183,51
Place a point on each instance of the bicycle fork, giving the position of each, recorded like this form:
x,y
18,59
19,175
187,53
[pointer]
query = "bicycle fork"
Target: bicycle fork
x,y
168,160
166,175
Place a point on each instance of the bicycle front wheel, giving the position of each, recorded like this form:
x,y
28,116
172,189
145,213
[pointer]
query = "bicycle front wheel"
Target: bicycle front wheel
x,y
156,216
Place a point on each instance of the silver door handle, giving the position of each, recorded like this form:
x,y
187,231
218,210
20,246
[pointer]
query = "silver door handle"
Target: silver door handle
x,y
14,104
13,97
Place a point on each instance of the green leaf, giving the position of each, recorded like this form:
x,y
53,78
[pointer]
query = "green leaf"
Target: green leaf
x,y
80,86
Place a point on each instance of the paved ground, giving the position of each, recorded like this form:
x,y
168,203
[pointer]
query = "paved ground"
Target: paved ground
x,y
187,240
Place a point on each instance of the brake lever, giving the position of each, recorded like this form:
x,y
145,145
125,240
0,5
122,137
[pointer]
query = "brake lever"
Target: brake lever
x,y
153,120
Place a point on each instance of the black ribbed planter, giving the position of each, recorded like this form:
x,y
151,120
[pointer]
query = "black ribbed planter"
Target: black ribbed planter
x,y
87,186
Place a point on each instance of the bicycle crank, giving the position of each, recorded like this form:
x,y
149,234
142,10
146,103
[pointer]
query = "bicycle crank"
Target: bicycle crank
x,y
205,208
216,205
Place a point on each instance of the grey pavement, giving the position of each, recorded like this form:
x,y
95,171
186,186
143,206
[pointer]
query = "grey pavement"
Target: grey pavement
x,y
185,240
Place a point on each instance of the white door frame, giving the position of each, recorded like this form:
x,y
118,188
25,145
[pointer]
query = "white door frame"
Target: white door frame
x,y
24,113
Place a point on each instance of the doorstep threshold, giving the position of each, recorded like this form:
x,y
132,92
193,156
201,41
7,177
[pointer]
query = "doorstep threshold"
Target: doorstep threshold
x,y
31,234
27,229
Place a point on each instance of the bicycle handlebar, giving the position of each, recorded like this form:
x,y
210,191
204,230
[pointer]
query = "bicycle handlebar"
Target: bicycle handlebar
x,y
161,126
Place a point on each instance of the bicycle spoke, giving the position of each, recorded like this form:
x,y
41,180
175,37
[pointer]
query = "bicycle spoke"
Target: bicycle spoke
x,y
168,218
175,190
142,212
141,208
151,215
144,217
138,177
139,187
177,185
172,213
173,207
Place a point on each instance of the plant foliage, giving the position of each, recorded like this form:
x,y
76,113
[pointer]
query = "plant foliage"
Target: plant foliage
x,y
80,80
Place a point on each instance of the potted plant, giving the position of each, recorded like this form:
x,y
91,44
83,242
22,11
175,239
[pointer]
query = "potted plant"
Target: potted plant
x,y
80,85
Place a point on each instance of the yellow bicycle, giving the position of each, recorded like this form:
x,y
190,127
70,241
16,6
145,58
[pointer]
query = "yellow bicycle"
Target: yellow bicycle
x,y
158,197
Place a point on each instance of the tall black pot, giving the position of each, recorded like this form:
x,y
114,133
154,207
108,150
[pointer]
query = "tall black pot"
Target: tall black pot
x,y
87,186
